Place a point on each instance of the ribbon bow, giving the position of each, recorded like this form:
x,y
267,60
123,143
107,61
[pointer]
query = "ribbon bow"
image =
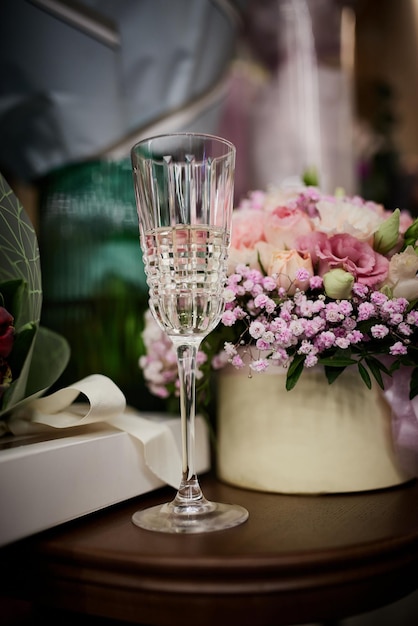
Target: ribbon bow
x,y
105,403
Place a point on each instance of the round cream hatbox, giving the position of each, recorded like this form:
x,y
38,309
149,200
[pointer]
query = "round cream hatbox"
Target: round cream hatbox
x,y
316,438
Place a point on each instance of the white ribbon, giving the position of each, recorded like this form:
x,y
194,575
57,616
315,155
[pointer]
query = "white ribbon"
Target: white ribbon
x,y
106,403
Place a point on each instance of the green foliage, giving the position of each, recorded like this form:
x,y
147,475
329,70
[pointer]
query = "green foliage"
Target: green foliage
x,y
411,235
38,356
19,254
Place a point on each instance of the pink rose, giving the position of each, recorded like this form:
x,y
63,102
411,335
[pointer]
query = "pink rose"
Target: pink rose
x,y
247,228
348,253
284,266
247,232
284,225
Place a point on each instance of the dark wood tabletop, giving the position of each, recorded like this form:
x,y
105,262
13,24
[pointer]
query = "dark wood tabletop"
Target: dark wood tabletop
x,y
297,559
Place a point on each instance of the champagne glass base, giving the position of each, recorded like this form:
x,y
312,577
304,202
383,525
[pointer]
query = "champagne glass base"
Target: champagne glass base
x,y
217,516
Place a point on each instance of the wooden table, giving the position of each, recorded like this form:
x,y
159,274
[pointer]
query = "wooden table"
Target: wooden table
x,y
297,559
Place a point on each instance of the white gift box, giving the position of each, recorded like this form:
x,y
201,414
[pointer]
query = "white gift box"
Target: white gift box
x,y
46,480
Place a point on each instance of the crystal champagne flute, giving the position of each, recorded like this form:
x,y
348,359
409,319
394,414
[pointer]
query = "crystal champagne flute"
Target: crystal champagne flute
x,y
184,194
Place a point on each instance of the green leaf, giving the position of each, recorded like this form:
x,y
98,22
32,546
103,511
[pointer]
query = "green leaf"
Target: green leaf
x,y
11,295
25,342
334,361
386,236
294,372
21,346
375,366
365,375
50,355
411,234
332,373
263,270
50,358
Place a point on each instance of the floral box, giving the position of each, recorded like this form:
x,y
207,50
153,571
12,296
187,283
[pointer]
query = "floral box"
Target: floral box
x,y
48,481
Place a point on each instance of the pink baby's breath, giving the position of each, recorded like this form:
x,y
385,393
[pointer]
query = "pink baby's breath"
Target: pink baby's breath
x,y
379,331
256,329
366,311
316,282
342,342
259,365
237,362
311,360
228,318
269,284
405,329
398,348
302,274
230,349
360,290
378,298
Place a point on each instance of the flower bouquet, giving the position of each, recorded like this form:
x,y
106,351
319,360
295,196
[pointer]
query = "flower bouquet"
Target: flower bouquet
x,y
313,280
317,284
31,356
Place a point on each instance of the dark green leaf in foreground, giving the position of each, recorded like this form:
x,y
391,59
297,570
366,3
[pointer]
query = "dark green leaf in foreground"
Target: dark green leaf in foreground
x,y
332,373
375,367
365,375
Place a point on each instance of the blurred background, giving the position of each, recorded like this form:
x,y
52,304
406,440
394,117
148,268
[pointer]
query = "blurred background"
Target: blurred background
x,y
328,87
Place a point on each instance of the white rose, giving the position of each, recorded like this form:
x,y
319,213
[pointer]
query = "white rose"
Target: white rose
x,y
342,216
244,256
402,277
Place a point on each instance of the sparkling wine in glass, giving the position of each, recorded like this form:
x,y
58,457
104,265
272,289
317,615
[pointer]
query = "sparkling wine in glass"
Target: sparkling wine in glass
x,y
184,193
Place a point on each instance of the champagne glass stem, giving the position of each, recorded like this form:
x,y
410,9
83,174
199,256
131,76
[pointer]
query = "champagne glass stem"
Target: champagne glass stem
x,y
189,495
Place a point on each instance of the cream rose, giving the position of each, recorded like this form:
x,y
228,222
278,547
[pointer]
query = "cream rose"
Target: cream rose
x,y
244,256
284,266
